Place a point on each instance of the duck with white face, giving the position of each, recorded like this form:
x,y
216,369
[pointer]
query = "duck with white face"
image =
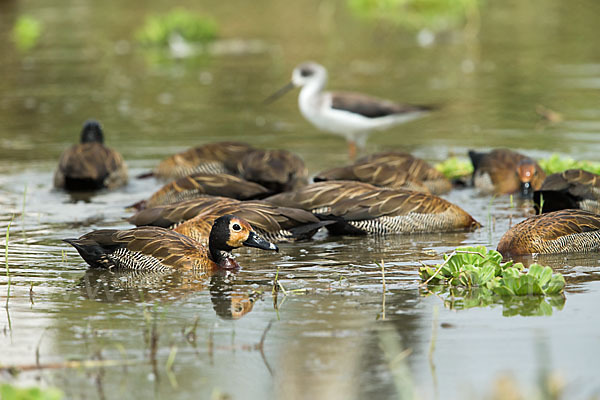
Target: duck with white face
x,y
351,115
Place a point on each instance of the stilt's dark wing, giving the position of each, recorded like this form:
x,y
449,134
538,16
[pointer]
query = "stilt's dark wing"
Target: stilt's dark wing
x,y
372,107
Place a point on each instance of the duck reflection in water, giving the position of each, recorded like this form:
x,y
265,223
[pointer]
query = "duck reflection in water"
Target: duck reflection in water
x,y
154,261
230,301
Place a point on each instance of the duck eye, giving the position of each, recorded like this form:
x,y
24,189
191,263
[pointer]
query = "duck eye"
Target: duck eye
x,y
236,227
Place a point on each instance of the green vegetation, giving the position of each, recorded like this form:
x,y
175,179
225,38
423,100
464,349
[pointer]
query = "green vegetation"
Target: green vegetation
x,y
417,14
454,168
158,29
556,164
475,277
26,32
10,392
477,267
459,298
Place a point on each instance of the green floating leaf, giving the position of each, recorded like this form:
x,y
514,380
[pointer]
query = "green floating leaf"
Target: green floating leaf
x,y
556,163
158,29
486,274
540,273
475,276
10,392
454,168
524,285
26,32
556,284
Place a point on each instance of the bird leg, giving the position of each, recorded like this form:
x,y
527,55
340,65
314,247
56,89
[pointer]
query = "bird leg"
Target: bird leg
x,y
351,149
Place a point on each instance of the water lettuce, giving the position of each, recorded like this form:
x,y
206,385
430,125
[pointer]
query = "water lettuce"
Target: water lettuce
x,y
477,277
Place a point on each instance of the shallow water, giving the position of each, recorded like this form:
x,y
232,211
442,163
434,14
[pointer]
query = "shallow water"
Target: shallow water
x,y
334,332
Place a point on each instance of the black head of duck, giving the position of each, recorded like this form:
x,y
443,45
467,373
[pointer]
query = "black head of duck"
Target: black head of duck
x,y
230,232
154,248
92,132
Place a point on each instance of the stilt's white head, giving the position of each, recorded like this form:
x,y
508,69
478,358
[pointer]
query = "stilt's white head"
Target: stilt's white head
x,y
308,72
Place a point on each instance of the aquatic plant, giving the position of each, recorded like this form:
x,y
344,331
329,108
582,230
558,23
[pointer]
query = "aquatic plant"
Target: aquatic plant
x,y
455,168
192,27
416,14
10,392
476,267
26,32
475,277
556,163
461,298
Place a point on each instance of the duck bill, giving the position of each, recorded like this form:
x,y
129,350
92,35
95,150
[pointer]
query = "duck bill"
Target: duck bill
x,y
526,190
256,241
289,86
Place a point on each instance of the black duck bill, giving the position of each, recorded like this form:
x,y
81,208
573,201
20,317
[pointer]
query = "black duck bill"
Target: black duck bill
x,y
256,241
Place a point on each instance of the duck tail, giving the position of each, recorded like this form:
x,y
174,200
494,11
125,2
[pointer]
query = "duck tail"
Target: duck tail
x,y
307,231
475,158
91,252
139,206
339,225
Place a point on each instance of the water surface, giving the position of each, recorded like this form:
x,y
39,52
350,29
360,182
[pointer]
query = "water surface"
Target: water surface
x,y
334,332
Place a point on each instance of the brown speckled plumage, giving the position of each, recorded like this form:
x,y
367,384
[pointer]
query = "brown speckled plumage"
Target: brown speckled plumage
x,y
144,248
278,170
215,158
385,211
361,208
194,218
320,195
393,169
416,168
376,174
574,188
565,231
199,185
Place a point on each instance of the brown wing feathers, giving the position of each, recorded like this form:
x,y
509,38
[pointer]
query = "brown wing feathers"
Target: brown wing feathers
x,y
89,166
556,232
395,170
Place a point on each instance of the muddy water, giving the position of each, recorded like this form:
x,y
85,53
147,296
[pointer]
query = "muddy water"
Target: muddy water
x,y
331,331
